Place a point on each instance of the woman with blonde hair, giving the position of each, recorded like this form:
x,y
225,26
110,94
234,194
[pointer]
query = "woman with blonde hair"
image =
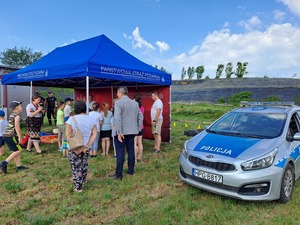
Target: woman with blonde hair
x,y
105,131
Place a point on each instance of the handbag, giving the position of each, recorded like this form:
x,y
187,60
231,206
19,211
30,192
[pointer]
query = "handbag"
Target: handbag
x,y
76,141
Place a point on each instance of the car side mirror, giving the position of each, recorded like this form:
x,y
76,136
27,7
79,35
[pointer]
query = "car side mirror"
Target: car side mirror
x,y
296,136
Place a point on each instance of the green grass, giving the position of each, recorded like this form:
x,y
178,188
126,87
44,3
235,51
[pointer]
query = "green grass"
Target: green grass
x,y
154,195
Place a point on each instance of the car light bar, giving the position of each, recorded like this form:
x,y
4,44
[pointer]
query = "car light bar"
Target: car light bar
x,y
248,104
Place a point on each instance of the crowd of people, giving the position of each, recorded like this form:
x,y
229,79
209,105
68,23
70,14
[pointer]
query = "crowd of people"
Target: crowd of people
x,y
123,124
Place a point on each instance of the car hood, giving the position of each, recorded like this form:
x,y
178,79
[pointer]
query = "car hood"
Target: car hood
x,y
231,146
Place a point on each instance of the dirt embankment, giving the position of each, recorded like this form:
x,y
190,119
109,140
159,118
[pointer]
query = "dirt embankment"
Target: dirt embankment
x,y
211,90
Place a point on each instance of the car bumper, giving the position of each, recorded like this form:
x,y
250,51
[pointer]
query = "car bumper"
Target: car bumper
x,y
236,182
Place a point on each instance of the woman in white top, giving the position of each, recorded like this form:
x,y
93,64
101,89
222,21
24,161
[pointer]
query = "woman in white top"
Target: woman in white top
x,y
79,158
96,115
105,132
34,116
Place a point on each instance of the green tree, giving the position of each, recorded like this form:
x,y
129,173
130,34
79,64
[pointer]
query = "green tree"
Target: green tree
x,y
19,57
183,73
191,72
228,70
199,72
241,69
219,71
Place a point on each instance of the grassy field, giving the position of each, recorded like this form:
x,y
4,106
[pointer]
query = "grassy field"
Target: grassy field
x,y
154,195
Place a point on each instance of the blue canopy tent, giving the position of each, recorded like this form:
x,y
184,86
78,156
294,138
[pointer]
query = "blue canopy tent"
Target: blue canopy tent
x,y
93,63
99,58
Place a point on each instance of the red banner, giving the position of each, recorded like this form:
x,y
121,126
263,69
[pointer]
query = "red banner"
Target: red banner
x,y
102,95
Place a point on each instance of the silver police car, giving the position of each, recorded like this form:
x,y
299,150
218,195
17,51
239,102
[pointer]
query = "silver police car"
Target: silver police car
x,y
250,153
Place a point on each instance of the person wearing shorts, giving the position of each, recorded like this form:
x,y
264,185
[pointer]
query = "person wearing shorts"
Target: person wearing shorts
x,y
13,138
3,123
156,120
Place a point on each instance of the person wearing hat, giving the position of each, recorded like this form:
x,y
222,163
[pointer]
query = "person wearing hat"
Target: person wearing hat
x,y
68,108
51,106
3,123
13,138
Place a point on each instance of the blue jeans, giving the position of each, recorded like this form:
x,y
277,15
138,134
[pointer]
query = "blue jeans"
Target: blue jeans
x,y
94,146
128,143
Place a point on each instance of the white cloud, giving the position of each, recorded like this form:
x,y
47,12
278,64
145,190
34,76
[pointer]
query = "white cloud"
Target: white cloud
x,y
293,5
139,42
128,37
72,40
278,15
273,52
250,24
163,46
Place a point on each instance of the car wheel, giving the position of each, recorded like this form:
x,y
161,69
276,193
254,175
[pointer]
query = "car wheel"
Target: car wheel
x,y
190,132
287,184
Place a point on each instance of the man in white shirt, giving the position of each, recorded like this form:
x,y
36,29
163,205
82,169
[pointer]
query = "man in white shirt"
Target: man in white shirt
x,y
156,120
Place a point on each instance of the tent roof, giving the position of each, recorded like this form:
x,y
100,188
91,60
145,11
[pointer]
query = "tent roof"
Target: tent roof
x,y
99,58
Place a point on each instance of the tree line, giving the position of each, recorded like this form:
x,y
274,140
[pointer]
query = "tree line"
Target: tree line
x,y
191,71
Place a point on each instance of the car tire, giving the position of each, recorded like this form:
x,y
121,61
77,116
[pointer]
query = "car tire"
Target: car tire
x,y
287,184
190,132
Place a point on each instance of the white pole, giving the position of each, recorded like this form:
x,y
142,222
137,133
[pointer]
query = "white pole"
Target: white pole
x,y
87,94
30,95
170,108
2,94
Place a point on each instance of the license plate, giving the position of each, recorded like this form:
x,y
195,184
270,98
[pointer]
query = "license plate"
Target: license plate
x,y
208,176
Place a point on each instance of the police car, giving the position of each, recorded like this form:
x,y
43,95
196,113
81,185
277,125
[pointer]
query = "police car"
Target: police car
x,y
250,153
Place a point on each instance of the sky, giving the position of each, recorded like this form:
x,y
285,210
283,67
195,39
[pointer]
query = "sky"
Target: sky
x,y
168,33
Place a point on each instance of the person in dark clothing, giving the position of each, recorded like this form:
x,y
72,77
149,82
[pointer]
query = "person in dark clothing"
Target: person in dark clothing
x,y
42,104
51,105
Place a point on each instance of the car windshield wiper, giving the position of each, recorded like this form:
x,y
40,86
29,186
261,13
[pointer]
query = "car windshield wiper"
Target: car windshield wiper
x,y
218,132
247,135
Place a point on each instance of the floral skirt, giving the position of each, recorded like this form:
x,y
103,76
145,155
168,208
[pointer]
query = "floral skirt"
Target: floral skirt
x,y
34,127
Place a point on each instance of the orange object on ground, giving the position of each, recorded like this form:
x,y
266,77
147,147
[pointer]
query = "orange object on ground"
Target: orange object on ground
x,y
49,139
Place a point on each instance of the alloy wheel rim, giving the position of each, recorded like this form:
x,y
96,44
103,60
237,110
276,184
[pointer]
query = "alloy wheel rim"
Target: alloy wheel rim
x,y
288,183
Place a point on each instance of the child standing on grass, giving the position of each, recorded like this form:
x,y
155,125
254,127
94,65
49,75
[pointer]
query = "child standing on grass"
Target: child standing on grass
x,y
13,138
60,124
3,123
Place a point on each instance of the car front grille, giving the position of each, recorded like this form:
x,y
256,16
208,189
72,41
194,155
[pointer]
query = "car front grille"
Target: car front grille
x,y
215,165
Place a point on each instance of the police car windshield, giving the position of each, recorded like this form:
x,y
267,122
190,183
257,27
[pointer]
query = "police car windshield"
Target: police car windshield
x,y
252,125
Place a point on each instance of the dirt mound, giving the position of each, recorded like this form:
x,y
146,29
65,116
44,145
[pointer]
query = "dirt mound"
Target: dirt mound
x,y
211,90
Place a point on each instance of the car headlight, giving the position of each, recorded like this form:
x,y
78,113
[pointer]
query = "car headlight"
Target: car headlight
x,y
184,150
260,163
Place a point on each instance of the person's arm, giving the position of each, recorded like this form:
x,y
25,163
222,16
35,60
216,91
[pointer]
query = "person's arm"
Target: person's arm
x,y
140,120
33,114
62,117
18,128
153,122
46,104
158,111
92,138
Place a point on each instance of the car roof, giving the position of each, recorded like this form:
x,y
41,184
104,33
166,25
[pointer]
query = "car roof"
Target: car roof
x,y
267,108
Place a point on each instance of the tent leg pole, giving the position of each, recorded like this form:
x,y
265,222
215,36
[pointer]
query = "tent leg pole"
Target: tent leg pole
x,y
87,94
